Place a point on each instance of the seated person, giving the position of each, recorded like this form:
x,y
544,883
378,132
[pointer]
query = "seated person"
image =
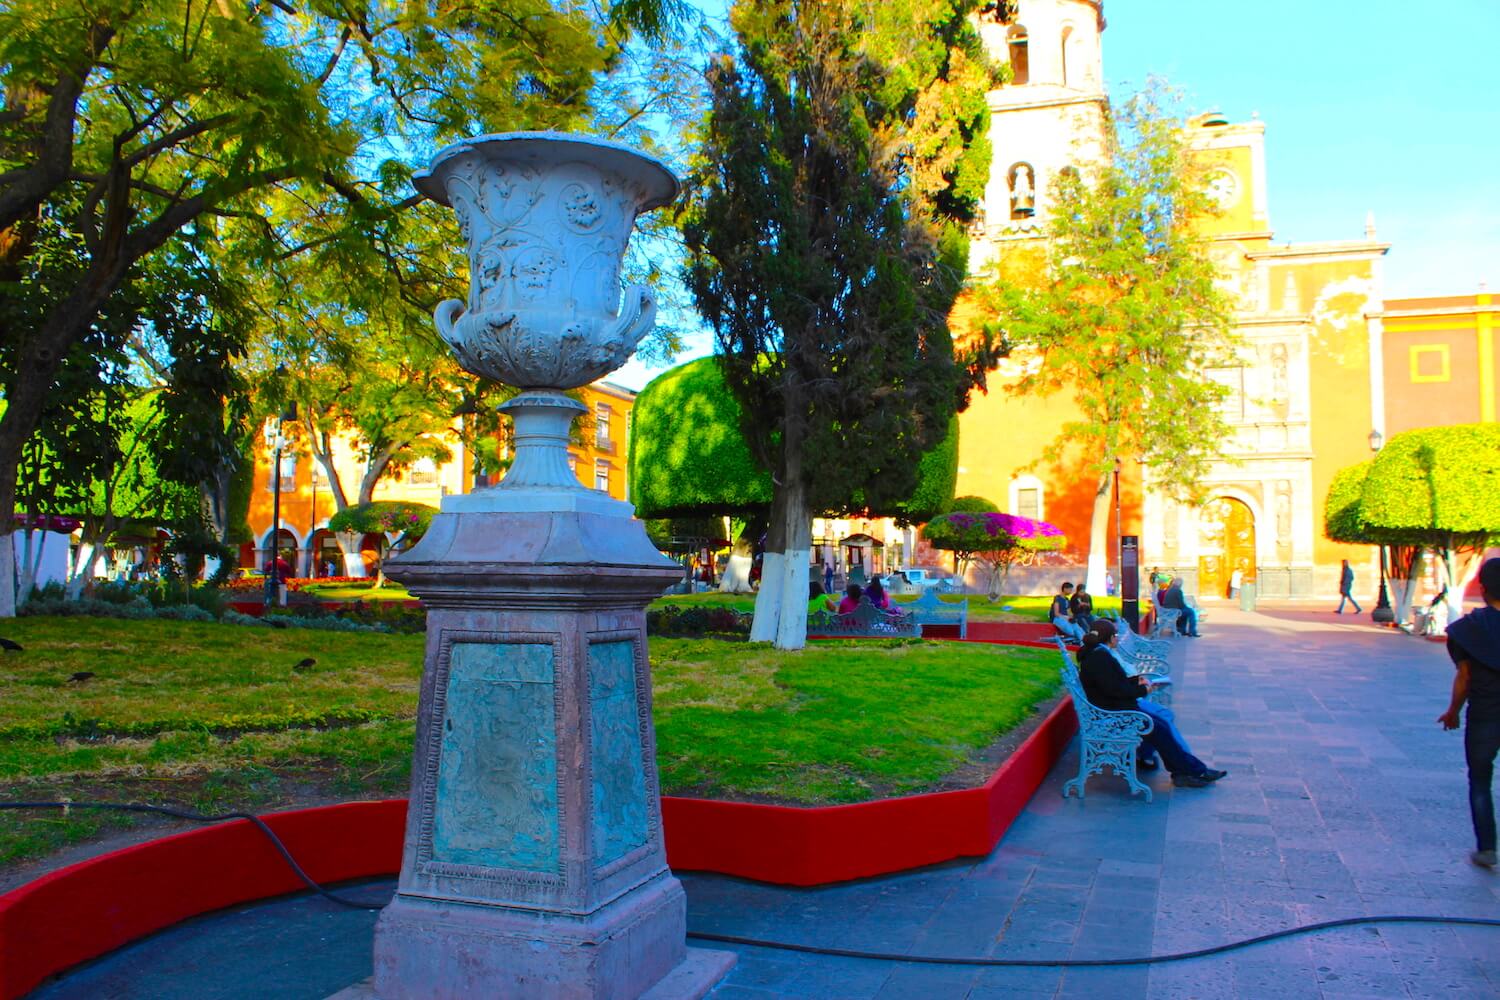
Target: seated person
x,y
877,595
1082,606
1187,619
1107,686
852,594
818,600
1061,614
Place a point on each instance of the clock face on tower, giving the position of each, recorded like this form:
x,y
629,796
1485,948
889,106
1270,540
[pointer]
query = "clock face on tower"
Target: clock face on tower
x,y
1223,188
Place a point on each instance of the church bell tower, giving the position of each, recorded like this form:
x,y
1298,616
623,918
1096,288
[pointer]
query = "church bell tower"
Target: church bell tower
x,y
1048,119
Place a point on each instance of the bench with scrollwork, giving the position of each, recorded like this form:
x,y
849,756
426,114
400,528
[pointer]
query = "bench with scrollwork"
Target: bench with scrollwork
x,y
929,609
1105,739
865,621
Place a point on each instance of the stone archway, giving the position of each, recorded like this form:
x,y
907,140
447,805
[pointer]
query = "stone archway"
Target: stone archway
x,y
1226,542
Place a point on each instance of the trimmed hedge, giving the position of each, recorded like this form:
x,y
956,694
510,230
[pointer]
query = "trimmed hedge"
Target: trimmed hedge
x,y
1436,483
688,456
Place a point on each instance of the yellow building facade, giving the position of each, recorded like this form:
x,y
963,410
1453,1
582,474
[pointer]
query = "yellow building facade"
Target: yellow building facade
x,y
1307,389
597,457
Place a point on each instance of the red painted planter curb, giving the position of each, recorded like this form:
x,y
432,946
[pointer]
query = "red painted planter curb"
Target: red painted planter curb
x,y
82,911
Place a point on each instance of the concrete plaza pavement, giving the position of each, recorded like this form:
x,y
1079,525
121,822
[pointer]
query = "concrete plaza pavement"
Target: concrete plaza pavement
x,y
1344,798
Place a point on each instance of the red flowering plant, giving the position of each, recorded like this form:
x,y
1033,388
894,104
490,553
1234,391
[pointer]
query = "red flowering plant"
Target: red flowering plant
x,y
992,539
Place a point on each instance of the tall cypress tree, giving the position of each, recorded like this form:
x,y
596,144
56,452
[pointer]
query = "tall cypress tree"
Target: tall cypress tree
x,y
843,156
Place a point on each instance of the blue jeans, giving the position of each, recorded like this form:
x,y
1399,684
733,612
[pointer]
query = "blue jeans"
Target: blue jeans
x,y
1187,621
1481,743
1346,596
1068,629
1166,740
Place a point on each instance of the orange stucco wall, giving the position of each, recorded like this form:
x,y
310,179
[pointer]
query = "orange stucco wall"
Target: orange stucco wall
x,y
1003,436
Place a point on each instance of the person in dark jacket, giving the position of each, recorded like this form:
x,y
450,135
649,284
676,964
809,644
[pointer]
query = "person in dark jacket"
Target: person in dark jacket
x,y
1082,606
1187,620
1474,646
1346,588
1107,686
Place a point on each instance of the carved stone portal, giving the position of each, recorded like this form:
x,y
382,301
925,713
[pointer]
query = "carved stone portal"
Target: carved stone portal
x,y
533,863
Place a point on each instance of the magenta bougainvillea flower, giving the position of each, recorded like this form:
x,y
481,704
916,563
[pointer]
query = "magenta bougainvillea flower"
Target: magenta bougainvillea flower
x,y
995,524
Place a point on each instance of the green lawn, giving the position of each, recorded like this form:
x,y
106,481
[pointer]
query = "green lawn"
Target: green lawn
x,y
219,716
392,591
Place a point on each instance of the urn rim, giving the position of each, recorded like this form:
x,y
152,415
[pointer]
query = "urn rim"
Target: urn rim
x,y
557,147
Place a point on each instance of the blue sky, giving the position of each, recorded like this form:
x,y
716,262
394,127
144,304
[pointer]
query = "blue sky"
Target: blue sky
x,y
1370,105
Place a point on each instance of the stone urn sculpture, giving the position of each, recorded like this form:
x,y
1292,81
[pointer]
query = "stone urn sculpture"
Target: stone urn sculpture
x,y
533,864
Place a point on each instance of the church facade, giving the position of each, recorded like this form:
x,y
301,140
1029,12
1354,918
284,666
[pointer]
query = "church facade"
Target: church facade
x,y
1308,388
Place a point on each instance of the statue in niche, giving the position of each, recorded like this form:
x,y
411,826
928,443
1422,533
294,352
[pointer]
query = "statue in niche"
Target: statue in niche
x,y
1281,393
1022,192
1283,511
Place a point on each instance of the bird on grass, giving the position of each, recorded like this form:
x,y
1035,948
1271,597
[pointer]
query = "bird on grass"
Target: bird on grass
x,y
304,663
11,646
80,676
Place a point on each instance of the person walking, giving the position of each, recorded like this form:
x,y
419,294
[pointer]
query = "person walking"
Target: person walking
x,y
1346,586
828,574
1474,647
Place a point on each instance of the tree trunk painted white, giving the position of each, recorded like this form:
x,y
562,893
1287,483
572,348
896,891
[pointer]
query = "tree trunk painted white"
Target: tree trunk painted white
x,y
1098,565
764,627
354,563
736,578
7,575
26,573
791,626
1400,592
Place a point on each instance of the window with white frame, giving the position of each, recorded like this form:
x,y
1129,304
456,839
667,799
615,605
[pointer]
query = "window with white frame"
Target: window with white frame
x,y
602,415
1027,498
601,475
424,472
288,474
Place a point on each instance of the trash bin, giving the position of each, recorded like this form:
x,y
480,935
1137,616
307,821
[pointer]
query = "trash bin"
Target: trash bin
x,y
1247,596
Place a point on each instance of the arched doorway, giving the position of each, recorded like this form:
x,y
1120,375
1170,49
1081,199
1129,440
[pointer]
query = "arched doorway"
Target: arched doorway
x,y
1226,542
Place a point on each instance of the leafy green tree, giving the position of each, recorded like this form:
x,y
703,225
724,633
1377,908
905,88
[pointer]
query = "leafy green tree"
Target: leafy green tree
x,y
410,520
963,538
1124,315
993,539
689,457
843,156
1436,487
143,122
1344,521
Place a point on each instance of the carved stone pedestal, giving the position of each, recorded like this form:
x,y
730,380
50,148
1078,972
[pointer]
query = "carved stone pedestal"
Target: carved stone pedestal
x,y
534,864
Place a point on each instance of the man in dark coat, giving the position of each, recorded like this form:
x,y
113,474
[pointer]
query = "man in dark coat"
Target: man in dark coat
x,y
1346,588
1107,686
1187,618
1474,646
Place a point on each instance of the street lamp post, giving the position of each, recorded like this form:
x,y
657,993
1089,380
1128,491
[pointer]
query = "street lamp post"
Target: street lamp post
x,y
276,441
1383,613
1119,536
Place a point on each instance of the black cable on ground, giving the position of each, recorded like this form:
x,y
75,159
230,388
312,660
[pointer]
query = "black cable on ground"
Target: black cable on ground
x,y
808,949
260,824
1074,963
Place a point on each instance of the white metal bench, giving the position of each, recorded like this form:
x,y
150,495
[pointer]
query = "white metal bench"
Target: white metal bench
x,y
1105,739
929,610
1166,622
865,621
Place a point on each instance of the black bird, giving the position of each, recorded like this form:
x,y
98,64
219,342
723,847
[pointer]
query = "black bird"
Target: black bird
x,y
304,663
11,646
80,676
